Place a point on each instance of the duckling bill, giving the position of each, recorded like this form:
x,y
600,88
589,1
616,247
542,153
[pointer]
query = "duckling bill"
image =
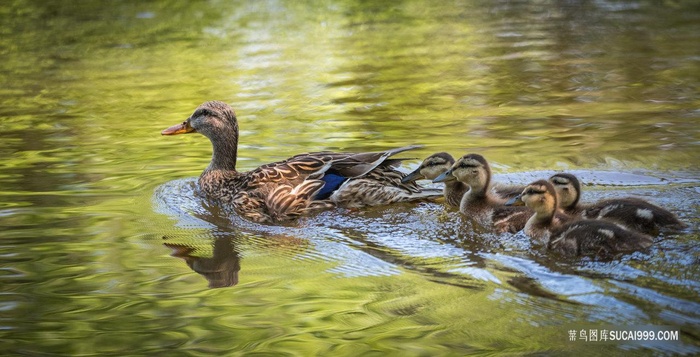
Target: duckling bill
x,y
432,167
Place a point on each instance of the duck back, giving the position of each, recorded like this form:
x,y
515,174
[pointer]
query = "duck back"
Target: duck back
x,y
596,237
633,213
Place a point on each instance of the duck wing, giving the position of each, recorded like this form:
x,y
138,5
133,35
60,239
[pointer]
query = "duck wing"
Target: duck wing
x,y
286,202
360,164
314,165
287,189
372,180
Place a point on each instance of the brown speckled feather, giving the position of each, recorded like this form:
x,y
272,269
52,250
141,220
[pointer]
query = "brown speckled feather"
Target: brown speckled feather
x,y
287,189
596,237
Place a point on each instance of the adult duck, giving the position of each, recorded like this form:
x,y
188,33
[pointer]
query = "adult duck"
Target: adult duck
x,y
287,189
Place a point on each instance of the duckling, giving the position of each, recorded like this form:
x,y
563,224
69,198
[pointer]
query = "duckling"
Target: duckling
x,y
568,189
479,201
290,188
633,213
543,202
435,164
566,235
432,167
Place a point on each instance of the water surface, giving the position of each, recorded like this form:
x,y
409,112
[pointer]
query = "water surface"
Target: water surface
x,y
107,251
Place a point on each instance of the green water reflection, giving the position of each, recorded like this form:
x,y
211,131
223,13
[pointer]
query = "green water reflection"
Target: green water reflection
x,y
86,87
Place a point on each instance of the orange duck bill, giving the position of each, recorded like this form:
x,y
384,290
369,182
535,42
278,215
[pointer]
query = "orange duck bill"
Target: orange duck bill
x,y
183,128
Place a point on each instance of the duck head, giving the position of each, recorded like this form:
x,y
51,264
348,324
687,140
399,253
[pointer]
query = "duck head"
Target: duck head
x,y
568,189
470,169
209,119
217,121
432,167
540,196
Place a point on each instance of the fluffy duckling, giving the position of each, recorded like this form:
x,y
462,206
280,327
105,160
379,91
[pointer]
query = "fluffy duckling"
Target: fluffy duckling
x,y
633,213
542,199
438,163
479,201
570,237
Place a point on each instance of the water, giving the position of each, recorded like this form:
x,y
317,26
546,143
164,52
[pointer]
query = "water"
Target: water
x,y
106,251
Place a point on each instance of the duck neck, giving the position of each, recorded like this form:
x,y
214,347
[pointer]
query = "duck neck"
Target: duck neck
x,y
225,151
454,191
539,226
572,207
479,185
478,190
473,199
568,203
543,217
545,211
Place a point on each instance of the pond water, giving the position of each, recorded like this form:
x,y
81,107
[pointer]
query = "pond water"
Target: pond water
x,y
106,250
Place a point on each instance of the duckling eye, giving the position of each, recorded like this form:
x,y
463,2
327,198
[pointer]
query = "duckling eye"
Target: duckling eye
x,y
532,191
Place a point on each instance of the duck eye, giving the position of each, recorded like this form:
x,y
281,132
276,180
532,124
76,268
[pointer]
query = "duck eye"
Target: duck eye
x,y
201,112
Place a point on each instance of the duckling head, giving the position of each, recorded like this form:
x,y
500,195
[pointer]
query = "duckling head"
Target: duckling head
x,y
470,169
432,167
541,197
568,189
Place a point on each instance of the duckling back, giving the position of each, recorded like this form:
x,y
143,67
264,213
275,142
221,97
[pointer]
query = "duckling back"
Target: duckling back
x,y
596,237
509,219
633,213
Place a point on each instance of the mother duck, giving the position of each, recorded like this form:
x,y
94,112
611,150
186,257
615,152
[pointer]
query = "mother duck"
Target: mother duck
x,y
287,189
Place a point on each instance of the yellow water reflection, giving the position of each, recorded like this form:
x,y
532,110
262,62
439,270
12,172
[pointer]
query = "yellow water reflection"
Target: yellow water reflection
x,y
92,196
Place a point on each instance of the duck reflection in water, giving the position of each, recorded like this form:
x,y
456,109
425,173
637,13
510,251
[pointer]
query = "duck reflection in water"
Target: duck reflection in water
x,y
221,269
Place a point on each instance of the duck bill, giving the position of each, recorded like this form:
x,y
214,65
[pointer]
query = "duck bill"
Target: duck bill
x,y
515,201
444,177
413,176
183,128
